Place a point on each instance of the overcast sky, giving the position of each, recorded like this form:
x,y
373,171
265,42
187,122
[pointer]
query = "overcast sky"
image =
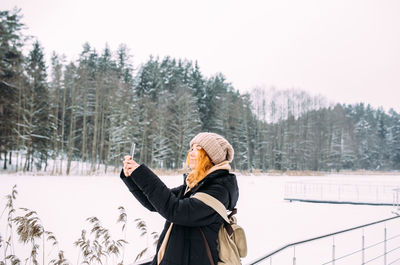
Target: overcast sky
x,y
346,50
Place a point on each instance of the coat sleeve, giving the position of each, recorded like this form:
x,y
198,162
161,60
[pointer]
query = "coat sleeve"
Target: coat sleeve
x,y
139,195
134,189
186,211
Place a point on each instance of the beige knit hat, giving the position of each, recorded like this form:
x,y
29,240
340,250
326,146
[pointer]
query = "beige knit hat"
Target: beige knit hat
x,y
216,146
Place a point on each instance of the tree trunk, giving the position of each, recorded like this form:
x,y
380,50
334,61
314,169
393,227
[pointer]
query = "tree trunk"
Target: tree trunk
x,y
118,149
84,127
96,125
246,120
71,130
142,150
109,143
63,128
55,131
5,160
29,154
151,153
48,144
102,133
18,126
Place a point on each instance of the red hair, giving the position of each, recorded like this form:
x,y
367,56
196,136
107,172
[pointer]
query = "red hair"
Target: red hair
x,y
203,164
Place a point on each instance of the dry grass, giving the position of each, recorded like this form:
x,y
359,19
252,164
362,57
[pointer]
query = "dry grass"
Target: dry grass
x,y
367,172
95,247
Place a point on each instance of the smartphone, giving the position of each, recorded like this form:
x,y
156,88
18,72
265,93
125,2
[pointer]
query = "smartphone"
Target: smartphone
x,y
133,146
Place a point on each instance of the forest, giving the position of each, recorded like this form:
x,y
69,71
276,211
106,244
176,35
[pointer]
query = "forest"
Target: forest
x,y
92,109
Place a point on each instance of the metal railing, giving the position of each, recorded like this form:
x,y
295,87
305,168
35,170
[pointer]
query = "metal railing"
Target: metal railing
x,y
340,193
363,257
396,200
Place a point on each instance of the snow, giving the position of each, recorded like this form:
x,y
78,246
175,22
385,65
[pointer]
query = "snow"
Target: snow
x,y
63,203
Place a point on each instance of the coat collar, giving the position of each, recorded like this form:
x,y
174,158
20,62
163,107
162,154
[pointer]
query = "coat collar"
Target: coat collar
x,y
223,165
211,175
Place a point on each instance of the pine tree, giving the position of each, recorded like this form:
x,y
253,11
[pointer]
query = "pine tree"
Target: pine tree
x,y
149,82
349,145
162,149
109,73
55,89
231,116
71,92
249,135
215,88
84,82
97,104
11,81
123,110
394,139
197,85
37,114
382,139
336,139
93,109
183,125
366,136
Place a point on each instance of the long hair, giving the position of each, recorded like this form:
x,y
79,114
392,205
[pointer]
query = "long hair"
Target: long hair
x,y
203,164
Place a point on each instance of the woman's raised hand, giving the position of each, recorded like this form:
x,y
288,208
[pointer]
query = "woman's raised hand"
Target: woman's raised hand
x,y
129,165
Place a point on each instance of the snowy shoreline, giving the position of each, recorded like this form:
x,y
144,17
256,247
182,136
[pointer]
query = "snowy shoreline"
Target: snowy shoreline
x,y
63,204
272,173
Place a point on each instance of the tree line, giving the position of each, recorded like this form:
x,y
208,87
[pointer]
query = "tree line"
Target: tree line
x,y
92,109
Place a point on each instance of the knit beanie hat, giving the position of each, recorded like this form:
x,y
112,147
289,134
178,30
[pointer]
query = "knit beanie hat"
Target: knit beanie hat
x,y
216,146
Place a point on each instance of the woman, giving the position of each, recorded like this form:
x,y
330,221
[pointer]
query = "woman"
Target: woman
x,y
181,242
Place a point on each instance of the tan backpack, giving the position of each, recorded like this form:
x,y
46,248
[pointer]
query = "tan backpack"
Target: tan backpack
x,y
232,243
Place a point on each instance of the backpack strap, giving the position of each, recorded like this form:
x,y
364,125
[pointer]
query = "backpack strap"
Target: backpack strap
x,y
213,203
207,247
218,207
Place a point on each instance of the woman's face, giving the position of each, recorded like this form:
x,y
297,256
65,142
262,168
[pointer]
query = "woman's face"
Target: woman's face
x,y
193,154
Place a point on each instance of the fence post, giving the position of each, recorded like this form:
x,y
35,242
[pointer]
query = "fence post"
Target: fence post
x,y
333,250
362,247
384,246
294,255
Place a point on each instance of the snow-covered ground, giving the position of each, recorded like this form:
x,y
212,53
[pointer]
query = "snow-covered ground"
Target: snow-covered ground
x,y
63,204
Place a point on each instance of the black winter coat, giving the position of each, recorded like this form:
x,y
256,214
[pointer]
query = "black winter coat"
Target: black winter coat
x,y
185,245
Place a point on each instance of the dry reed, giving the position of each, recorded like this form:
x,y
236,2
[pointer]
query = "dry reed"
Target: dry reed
x,y
97,247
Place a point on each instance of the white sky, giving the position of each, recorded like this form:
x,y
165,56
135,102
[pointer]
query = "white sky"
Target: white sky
x,y
346,50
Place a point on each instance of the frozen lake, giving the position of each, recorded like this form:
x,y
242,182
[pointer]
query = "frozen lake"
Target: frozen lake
x,y
63,204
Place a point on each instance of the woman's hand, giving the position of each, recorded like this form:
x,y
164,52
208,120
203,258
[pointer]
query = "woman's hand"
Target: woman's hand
x,y
129,166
